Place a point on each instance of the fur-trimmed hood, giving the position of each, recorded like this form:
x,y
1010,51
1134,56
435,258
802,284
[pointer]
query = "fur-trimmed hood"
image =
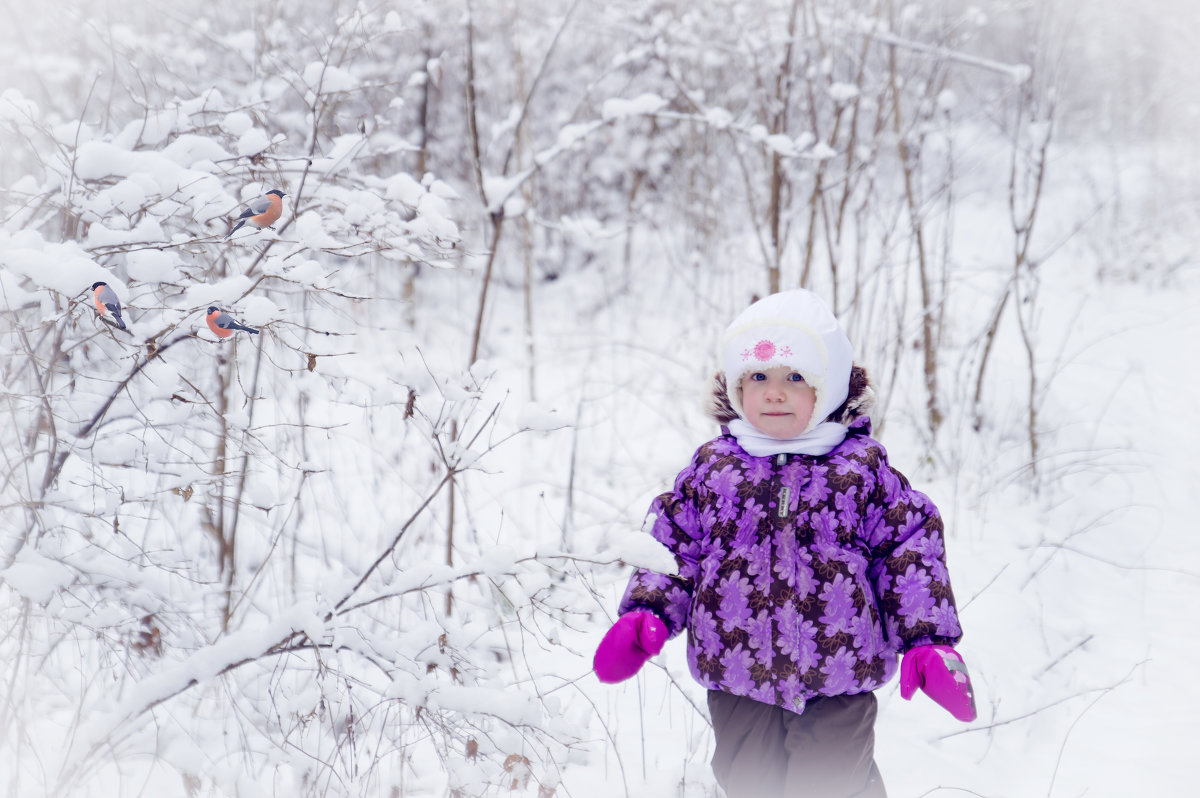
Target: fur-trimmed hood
x,y
795,330
859,401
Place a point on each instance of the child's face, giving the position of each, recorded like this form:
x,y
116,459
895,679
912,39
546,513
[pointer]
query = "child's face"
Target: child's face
x,y
777,401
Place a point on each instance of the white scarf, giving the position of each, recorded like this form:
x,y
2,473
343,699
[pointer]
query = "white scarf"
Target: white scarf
x,y
820,440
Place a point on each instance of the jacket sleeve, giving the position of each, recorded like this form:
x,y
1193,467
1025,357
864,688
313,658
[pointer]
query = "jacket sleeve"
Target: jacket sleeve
x,y
908,565
674,521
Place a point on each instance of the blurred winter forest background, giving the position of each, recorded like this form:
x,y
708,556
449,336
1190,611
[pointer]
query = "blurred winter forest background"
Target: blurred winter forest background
x,y
370,551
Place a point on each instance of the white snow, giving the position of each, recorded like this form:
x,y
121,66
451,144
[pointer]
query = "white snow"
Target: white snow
x,y
781,144
147,230
153,265
245,644
237,123
718,117
258,310
404,188
842,93
534,416
35,577
65,268
643,105
310,229
642,551
220,293
192,151
252,142
637,207
329,78
127,196
822,152
15,108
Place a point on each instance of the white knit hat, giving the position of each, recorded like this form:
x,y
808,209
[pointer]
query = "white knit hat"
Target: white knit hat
x,y
794,329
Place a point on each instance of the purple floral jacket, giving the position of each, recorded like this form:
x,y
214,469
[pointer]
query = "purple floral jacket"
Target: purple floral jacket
x,y
798,576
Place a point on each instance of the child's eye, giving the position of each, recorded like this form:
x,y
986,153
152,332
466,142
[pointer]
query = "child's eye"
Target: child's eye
x,y
794,377
758,376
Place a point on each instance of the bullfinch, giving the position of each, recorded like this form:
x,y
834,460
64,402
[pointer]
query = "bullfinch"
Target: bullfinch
x,y
261,212
107,302
223,325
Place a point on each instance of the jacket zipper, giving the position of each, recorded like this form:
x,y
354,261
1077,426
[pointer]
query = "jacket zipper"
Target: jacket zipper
x,y
784,499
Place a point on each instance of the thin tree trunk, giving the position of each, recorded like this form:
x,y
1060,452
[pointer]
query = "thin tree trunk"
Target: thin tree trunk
x,y
423,114
928,336
243,470
783,97
224,542
450,530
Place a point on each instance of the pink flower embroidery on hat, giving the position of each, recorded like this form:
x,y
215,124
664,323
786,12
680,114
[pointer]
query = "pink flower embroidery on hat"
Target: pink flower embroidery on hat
x,y
764,350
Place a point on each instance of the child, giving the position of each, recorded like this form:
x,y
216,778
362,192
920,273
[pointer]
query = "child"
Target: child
x,y
806,565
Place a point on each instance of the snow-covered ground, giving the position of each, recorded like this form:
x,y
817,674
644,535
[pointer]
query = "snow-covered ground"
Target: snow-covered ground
x,y
1075,600
1076,577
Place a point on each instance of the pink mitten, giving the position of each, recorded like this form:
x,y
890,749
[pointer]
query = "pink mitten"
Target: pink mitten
x,y
634,638
941,673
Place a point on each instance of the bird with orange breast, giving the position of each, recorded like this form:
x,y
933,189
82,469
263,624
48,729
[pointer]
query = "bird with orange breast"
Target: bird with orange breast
x,y
107,302
223,325
261,212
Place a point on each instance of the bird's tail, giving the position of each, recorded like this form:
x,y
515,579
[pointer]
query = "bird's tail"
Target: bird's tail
x,y
120,321
236,227
250,330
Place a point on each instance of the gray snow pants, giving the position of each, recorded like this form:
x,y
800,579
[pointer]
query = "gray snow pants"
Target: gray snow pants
x,y
767,752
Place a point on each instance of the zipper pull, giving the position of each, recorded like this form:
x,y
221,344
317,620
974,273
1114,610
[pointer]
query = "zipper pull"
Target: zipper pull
x,y
785,493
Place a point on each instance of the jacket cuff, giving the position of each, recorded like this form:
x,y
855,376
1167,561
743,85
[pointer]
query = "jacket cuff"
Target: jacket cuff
x,y
928,640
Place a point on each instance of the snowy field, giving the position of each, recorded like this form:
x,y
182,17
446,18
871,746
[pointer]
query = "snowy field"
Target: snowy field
x,y
370,551
1072,599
